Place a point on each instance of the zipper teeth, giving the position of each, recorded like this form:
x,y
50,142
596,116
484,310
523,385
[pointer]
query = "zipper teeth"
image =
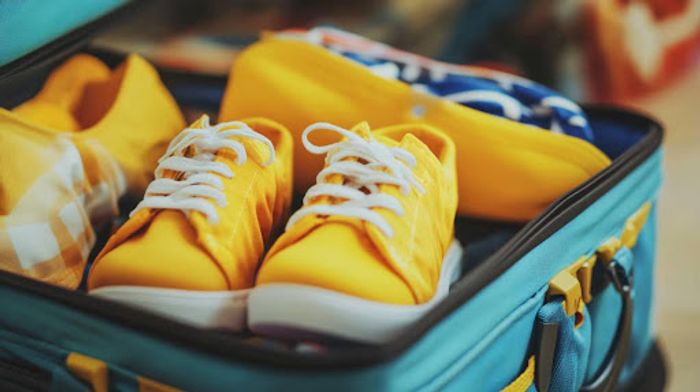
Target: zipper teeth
x,y
231,347
645,147
571,199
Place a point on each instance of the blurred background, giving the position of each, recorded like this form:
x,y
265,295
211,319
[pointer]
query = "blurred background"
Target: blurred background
x,y
639,53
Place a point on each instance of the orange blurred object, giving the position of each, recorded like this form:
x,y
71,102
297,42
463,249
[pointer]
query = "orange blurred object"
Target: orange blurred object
x,y
639,46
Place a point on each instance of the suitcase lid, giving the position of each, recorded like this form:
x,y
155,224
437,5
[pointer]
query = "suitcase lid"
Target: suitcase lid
x,y
33,32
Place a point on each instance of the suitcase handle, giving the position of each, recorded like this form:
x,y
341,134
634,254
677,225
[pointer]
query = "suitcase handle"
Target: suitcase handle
x,y
615,359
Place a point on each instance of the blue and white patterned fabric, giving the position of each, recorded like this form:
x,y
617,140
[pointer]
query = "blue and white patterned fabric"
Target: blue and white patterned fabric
x,y
496,93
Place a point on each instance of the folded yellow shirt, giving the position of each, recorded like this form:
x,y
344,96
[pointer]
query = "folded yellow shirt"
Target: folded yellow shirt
x,y
506,170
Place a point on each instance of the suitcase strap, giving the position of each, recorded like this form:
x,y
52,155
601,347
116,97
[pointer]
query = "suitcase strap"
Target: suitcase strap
x,y
576,286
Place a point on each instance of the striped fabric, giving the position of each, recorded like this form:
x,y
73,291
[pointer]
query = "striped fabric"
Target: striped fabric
x,y
493,92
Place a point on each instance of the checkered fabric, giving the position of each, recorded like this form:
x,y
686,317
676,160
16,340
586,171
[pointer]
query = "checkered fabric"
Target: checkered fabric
x,y
52,192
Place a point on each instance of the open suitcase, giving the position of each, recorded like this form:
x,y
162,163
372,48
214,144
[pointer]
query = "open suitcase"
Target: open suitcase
x,y
561,303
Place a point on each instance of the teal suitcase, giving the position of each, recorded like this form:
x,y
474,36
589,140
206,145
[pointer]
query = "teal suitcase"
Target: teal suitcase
x,y
562,303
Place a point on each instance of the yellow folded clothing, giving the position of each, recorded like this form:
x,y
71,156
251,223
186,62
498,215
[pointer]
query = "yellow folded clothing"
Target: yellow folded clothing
x,y
70,153
506,170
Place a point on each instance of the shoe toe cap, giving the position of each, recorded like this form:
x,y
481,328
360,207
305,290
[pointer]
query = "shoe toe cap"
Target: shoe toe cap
x,y
336,256
164,255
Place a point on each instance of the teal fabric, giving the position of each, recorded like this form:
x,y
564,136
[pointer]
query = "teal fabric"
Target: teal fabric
x,y
502,353
573,347
598,223
26,25
52,358
644,290
605,315
605,310
121,380
42,355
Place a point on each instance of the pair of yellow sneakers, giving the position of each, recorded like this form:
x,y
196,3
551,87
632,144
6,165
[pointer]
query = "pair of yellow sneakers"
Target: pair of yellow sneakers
x,y
362,259
369,252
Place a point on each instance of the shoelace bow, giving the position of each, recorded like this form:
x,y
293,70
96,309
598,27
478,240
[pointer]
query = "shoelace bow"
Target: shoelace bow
x,y
364,164
191,154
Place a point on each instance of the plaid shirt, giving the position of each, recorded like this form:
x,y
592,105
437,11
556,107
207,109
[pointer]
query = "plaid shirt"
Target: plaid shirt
x,y
50,202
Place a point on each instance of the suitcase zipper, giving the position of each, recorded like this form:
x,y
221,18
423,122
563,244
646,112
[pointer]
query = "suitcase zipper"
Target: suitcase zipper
x,y
552,219
232,347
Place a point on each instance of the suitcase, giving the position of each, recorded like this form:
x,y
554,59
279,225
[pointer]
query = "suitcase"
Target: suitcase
x,y
563,302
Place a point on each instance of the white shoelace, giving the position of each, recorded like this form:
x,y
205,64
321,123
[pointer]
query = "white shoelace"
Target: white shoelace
x,y
364,164
198,182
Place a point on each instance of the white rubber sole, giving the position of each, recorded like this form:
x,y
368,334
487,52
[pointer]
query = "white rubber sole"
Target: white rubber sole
x,y
206,309
300,311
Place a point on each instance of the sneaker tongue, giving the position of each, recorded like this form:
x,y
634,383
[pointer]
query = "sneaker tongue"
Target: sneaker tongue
x,y
200,122
362,129
256,150
412,138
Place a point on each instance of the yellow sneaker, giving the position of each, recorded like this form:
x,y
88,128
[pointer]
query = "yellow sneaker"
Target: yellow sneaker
x,y
191,248
372,249
128,112
69,154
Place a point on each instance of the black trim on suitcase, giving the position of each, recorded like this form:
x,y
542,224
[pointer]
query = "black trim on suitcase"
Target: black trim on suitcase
x,y
16,376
